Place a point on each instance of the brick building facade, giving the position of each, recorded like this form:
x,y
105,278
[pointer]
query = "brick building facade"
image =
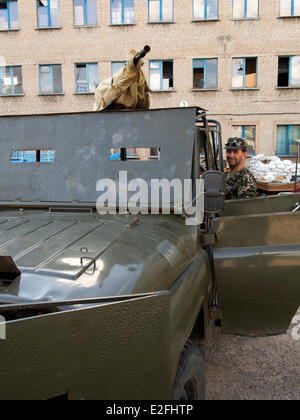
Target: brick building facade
x,y
238,59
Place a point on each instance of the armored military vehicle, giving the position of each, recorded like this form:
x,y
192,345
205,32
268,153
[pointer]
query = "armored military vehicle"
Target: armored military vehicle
x,y
119,306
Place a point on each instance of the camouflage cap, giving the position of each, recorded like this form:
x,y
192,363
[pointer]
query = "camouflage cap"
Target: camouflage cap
x,y
236,143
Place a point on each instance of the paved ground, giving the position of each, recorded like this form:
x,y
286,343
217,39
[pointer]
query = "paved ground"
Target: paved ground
x,y
242,368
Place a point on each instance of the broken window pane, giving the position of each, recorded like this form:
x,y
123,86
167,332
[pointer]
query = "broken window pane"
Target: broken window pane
x,y
244,72
283,71
81,78
237,72
155,75
250,79
295,73
161,75
167,81
205,73
198,74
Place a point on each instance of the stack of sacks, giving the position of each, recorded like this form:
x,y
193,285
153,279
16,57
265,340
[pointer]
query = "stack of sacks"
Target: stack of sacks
x,y
272,169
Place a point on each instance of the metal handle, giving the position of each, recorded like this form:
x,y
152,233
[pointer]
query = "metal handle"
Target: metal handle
x,y
296,208
90,259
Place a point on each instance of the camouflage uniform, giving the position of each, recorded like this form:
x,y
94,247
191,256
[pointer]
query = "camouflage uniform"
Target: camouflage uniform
x,y
242,184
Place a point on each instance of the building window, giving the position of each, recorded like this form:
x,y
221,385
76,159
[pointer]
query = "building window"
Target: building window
x,y
29,156
289,71
247,132
48,13
289,8
122,12
205,73
286,136
161,10
85,12
245,9
86,77
50,79
205,9
244,73
154,153
9,15
161,75
117,66
11,80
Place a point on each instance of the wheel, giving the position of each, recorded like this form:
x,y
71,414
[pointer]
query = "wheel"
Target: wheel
x,y
189,382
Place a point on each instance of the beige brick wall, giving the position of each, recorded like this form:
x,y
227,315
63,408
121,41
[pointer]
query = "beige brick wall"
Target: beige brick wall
x,y
181,41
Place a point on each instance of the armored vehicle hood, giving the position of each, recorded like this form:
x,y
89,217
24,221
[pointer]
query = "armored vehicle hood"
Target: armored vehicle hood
x,y
63,257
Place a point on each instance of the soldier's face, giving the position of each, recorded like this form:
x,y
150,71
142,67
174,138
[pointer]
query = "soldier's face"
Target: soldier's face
x,y
235,157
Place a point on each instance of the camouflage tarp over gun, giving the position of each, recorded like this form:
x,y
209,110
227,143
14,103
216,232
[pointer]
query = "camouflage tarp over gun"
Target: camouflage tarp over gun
x,y
127,89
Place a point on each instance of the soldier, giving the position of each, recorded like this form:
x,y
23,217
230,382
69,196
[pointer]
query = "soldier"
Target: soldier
x,y
240,183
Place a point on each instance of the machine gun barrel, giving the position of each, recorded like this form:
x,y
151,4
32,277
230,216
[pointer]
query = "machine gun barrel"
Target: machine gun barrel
x,y
141,54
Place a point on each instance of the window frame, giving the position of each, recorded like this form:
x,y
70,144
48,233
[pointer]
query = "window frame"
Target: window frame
x,y
123,14
205,12
205,73
12,84
87,78
49,15
292,10
289,86
246,11
52,80
244,125
161,75
288,140
85,15
161,14
9,28
244,73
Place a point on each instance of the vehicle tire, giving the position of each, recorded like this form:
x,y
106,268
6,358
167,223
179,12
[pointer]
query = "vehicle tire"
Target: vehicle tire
x,y
189,382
